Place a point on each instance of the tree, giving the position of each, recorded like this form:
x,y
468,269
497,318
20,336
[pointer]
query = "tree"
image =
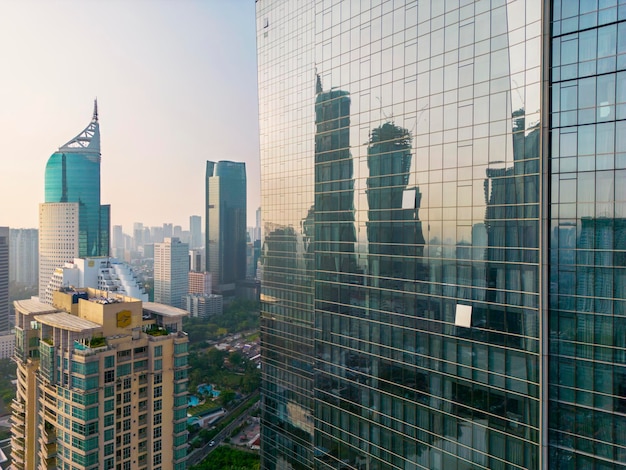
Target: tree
x,y
226,397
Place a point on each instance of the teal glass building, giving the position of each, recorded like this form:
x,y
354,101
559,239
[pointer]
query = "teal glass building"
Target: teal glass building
x,y
225,233
444,219
73,175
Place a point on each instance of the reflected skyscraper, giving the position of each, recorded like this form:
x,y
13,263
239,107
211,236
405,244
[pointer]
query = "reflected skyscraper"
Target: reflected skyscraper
x,y
443,207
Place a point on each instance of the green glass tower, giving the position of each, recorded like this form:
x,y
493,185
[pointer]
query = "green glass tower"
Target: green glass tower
x,y
73,175
225,223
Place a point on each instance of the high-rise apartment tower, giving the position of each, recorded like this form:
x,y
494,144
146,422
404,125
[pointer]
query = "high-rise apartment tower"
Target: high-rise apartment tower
x,y
444,226
102,384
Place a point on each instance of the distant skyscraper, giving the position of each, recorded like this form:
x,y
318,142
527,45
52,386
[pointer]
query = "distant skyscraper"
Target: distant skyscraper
x,y
226,223
156,234
147,237
195,228
168,231
73,176
4,278
171,268
138,236
24,256
118,237
444,215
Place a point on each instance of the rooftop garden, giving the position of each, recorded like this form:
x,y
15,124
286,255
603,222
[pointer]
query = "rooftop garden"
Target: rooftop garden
x,y
156,330
96,342
203,409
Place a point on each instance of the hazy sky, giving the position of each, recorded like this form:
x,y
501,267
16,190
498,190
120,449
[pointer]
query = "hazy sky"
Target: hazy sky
x,y
176,86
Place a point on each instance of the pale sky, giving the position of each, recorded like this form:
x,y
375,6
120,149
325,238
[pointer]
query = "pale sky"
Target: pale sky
x,y
176,86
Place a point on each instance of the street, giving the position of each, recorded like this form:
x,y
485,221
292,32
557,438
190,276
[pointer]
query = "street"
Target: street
x,y
201,453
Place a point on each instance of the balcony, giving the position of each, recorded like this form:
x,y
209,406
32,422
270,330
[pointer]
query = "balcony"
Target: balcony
x,y
17,456
18,406
17,443
18,419
48,450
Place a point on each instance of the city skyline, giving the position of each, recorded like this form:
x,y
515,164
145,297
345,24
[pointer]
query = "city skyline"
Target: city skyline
x,y
155,74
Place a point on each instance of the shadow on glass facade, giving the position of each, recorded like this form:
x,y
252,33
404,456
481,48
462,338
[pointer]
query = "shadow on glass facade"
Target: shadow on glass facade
x,y
416,230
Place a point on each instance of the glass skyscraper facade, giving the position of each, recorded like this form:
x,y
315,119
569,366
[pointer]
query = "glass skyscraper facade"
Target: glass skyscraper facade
x,y
73,175
444,234
225,234
587,232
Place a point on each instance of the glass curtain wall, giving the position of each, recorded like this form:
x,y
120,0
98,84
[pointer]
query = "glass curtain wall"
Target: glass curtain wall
x,y
400,151
588,235
285,41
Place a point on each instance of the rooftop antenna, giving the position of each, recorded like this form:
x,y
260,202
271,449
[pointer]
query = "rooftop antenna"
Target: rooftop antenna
x,y
95,110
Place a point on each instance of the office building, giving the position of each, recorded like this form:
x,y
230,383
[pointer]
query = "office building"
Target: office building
x,y
7,344
4,278
195,231
23,256
171,268
102,384
204,305
200,283
72,176
225,230
196,260
443,234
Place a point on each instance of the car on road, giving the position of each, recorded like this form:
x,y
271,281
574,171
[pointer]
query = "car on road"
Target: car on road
x,y
211,444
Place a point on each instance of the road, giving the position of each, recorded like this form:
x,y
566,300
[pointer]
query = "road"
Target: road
x,y
200,454
5,421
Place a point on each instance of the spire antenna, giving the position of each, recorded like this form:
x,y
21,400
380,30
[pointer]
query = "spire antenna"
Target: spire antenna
x,y
95,110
